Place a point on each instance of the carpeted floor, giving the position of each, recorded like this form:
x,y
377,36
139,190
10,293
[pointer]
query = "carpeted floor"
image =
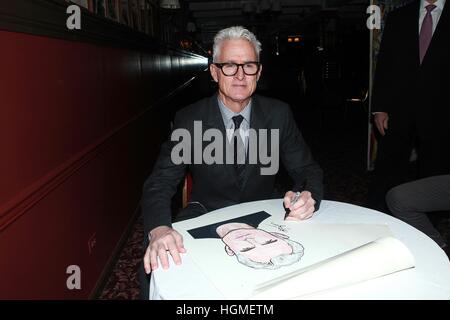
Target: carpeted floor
x,y
338,144
123,282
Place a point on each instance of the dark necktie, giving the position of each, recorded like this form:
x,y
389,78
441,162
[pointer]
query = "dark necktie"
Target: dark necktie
x,y
239,150
426,32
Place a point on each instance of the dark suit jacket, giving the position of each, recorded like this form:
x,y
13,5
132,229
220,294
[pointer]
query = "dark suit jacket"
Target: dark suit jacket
x,y
415,96
215,186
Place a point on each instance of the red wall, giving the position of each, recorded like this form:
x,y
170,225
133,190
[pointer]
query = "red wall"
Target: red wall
x,y
76,137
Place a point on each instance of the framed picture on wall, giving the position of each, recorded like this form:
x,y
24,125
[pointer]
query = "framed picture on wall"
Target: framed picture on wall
x,y
143,8
98,7
124,10
135,14
112,9
81,3
151,19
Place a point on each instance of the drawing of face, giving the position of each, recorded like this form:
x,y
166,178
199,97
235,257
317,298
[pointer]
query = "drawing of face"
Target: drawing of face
x,y
257,245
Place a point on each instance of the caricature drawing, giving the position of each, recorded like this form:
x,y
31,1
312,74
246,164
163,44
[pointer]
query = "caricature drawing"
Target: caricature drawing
x,y
252,246
257,248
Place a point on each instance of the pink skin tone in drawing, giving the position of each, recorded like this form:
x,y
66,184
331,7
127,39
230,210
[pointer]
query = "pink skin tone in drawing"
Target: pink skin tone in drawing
x,y
256,244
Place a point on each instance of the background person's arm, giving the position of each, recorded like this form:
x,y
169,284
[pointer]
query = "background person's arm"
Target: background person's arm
x,y
383,86
381,120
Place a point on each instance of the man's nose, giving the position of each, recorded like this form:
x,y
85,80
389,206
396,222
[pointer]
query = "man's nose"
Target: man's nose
x,y
253,241
240,73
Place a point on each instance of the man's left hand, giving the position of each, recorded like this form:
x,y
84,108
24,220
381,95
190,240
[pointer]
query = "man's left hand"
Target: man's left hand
x,y
301,210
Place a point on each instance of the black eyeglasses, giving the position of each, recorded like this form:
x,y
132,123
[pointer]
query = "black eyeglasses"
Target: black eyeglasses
x,y
230,69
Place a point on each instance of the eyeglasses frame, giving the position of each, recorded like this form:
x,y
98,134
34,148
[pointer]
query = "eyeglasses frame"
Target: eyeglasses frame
x,y
220,66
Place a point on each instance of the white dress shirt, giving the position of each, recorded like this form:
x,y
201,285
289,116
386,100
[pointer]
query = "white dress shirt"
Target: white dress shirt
x,y
227,116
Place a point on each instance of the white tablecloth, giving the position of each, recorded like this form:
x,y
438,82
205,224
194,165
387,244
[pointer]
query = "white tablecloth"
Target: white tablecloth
x,y
430,279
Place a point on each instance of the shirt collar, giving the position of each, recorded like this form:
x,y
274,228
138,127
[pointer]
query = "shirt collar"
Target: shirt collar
x,y
439,4
227,114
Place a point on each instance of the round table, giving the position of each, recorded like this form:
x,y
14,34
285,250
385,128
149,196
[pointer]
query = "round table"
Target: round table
x,y
430,279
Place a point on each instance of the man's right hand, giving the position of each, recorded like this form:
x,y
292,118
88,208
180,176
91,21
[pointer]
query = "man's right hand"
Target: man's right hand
x,y
163,240
381,120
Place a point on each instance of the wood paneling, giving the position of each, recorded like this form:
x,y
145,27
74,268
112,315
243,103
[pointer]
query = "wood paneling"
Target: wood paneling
x,y
81,123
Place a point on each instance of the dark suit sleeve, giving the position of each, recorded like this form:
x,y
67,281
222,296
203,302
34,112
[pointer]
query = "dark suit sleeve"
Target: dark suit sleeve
x,y
298,160
383,86
161,186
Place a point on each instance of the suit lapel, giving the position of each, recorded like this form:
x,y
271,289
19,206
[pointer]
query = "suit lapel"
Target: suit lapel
x,y
257,121
213,119
412,27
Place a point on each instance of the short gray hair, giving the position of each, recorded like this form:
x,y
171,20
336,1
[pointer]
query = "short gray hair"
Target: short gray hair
x,y
276,262
236,32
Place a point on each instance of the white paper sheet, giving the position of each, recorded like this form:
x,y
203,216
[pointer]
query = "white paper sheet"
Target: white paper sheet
x,y
372,260
320,241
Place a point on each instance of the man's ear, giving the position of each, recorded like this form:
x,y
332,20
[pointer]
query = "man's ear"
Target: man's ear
x,y
229,251
213,71
259,72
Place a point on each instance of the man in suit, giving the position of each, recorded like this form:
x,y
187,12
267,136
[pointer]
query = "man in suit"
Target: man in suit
x,y
410,100
233,110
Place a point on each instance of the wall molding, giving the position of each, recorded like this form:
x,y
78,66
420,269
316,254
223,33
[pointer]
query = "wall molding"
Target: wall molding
x,y
48,18
29,196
